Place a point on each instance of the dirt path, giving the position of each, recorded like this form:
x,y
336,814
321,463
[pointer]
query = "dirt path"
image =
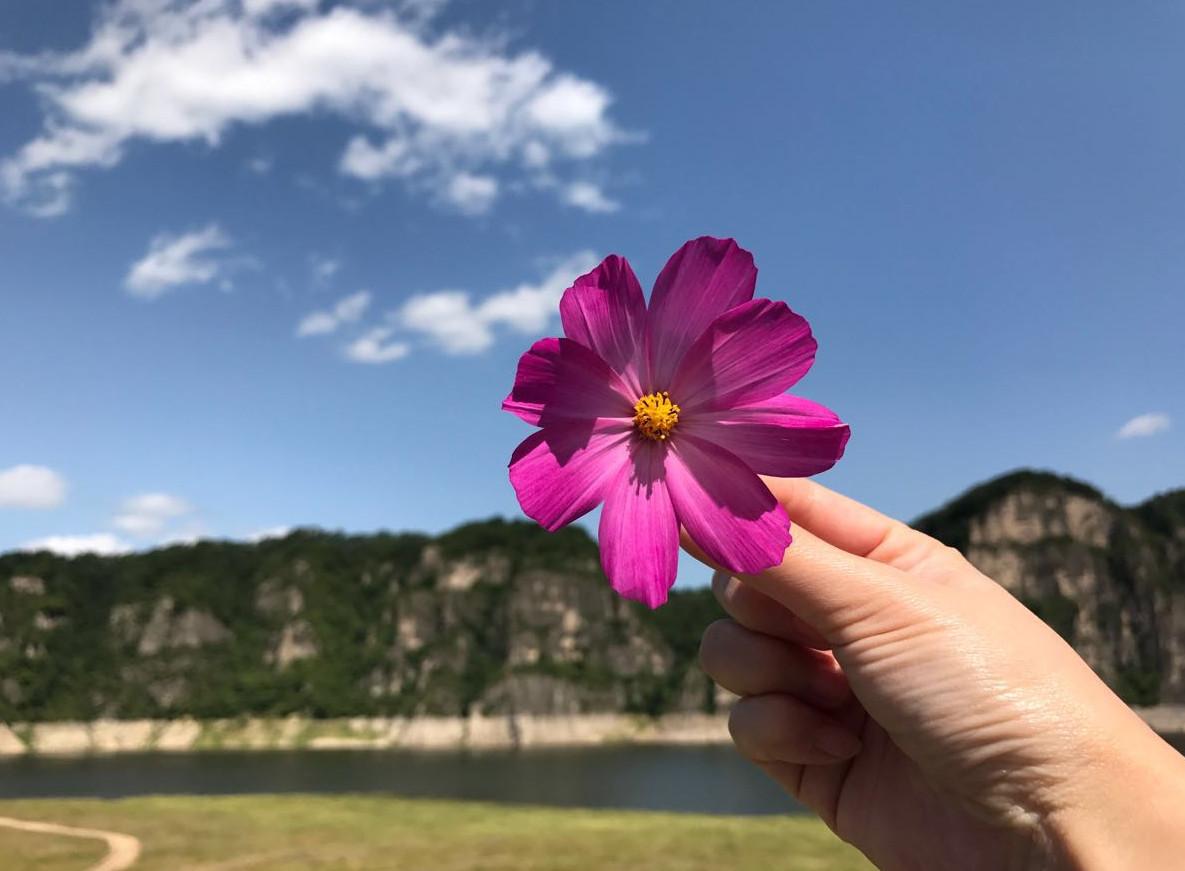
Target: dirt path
x,y
122,850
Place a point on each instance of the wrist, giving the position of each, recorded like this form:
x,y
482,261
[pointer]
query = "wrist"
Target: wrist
x,y
1130,814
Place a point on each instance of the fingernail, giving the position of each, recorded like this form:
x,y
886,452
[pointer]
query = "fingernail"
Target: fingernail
x,y
836,742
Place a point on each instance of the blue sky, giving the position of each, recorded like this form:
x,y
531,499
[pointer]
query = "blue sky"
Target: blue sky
x,y
271,263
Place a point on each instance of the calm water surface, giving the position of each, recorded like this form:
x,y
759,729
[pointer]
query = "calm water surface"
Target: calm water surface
x,y
689,779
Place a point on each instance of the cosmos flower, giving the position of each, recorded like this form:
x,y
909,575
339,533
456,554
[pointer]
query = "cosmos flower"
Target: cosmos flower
x,y
669,414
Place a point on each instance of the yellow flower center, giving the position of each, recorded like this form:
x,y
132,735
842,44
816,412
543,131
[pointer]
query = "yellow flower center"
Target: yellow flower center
x,y
655,415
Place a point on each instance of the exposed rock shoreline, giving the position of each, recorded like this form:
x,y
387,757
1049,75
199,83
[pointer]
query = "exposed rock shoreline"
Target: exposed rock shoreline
x,y
300,733
475,733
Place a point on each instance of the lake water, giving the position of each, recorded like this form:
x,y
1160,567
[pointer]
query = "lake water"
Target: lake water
x,y
688,779
712,780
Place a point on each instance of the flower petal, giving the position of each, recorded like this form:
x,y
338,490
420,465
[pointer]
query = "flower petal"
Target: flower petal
x,y
752,352
701,281
559,379
560,472
639,536
725,507
605,311
787,436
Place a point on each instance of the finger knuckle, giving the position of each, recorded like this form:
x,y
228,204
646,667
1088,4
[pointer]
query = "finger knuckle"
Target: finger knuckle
x,y
713,646
954,555
740,729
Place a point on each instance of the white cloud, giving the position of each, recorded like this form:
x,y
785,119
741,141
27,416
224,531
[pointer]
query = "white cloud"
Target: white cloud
x,y
1145,425
376,346
458,325
149,513
428,105
181,538
28,486
586,195
100,543
324,268
471,194
271,532
449,319
348,310
576,107
536,155
317,324
50,197
260,8
364,160
174,260
352,307
260,165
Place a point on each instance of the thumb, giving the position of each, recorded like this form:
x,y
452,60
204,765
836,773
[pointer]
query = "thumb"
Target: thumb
x,y
844,597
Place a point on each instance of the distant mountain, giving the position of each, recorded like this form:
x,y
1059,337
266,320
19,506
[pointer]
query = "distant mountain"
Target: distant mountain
x,y
1109,579
492,617
498,616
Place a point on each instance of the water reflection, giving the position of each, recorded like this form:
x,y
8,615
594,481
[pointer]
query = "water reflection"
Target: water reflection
x,y
689,779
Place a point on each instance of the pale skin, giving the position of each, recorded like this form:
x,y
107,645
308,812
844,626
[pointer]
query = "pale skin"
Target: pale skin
x,y
925,714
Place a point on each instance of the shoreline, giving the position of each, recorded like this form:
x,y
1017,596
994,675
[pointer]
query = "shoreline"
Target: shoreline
x,y
512,732
477,733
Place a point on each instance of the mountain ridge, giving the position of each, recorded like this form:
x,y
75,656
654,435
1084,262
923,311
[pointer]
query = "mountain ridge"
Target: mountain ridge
x,y
498,616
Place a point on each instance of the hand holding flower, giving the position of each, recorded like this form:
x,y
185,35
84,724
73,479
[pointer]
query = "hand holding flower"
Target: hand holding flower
x,y
928,716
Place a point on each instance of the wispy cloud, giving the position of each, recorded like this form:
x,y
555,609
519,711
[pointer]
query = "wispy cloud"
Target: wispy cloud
x,y
148,514
440,109
452,321
27,486
324,268
348,310
588,196
260,165
457,324
176,260
469,193
100,543
146,520
262,8
1145,425
377,346
268,533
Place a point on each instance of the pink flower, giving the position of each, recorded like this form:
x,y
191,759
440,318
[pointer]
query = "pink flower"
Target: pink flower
x,y
668,415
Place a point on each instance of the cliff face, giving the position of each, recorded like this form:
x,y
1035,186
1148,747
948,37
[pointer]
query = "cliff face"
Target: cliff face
x,y
502,618
492,618
1110,579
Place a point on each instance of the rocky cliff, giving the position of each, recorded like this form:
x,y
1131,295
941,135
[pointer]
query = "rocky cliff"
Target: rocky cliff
x,y
492,618
1110,579
501,618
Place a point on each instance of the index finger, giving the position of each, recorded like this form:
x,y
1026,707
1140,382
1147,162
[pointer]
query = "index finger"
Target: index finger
x,y
850,525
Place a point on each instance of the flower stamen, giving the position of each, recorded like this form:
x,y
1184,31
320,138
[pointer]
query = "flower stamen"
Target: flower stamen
x,y
655,415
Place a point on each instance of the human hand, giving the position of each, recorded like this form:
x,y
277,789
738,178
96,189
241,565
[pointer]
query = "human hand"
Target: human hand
x,y
925,714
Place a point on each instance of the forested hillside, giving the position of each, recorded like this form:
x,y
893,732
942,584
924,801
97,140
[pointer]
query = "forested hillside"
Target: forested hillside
x,y
491,617
502,617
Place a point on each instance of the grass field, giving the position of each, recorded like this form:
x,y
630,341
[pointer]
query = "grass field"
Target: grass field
x,y
237,833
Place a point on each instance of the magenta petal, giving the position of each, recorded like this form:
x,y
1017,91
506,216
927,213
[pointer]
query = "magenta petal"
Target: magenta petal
x,y
701,281
560,473
639,536
787,436
753,352
605,311
559,379
725,507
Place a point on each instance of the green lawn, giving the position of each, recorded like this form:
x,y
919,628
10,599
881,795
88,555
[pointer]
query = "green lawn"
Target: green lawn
x,y
233,833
